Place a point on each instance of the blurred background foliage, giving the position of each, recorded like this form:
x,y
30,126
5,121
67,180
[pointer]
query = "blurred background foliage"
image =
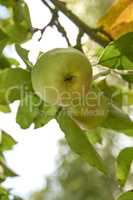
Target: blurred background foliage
x,y
74,179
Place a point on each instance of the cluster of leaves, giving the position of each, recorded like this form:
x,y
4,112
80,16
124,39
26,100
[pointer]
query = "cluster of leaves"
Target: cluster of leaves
x,y
14,28
6,143
15,84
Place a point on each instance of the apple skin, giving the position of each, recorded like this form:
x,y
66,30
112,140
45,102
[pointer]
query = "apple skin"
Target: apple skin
x,y
60,75
92,113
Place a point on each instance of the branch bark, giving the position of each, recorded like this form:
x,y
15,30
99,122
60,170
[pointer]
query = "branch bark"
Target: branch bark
x,y
92,33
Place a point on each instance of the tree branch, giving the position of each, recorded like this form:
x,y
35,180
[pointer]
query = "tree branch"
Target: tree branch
x,y
107,71
92,33
78,40
61,29
47,5
102,73
54,22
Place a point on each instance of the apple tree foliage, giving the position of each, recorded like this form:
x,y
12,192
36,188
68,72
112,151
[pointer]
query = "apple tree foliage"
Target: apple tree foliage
x,y
72,175
114,34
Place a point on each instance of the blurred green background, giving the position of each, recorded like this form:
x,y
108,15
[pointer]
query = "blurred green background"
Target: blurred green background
x,y
74,179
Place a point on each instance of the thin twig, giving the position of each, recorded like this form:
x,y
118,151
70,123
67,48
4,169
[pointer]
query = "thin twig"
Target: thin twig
x,y
92,33
47,5
53,22
78,41
108,71
102,73
124,72
61,29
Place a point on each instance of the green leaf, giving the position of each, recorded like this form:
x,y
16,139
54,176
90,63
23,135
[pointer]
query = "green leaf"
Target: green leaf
x,y
17,33
5,108
17,198
6,62
28,110
118,54
99,50
113,92
12,84
17,28
7,171
94,135
21,14
79,142
23,53
118,120
7,3
3,43
124,161
126,196
128,77
4,194
2,177
3,40
3,36
129,96
46,113
6,142
18,14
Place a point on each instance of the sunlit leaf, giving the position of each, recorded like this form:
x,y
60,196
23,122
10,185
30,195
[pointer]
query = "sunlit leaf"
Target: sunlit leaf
x,y
12,83
7,2
46,113
28,110
4,194
6,62
17,28
128,77
126,196
18,33
23,53
130,97
79,142
5,108
15,33
3,40
2,45
6,142
7,171
113,92
118,120
118,54
94,135
21,14
124,161
119,18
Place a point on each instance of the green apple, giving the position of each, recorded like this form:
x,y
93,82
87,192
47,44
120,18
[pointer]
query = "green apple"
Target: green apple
x,y
62,75
92,112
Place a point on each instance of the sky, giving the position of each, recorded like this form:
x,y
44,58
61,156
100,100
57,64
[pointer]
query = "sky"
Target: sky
x,y
33,158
